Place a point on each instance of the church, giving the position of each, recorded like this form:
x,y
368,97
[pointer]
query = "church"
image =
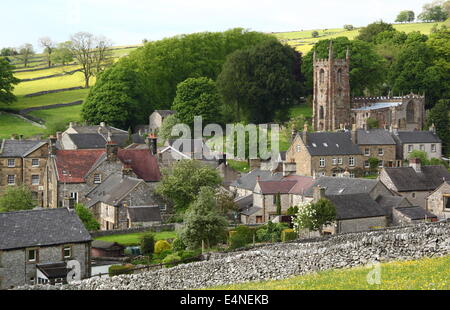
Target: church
x,y
334,109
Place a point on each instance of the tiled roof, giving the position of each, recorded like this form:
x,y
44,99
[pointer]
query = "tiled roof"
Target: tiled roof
x,y
415,213
88,140
274,187
248,181
244,202
331,143
19,148
355,206
73,165
142,214
375,137
165,113
342,186
303,183
143,163
417,137
407,179
41,228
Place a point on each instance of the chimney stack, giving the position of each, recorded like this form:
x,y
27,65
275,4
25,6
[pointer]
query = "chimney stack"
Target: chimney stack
x,y
293,133
112,150
433,128
354,134
415,164
52,145
127,170
319,193
152,143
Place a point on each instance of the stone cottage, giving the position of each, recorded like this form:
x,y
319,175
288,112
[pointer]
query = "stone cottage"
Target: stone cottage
x,y
36,245
408,141
377,143
438,202
156,119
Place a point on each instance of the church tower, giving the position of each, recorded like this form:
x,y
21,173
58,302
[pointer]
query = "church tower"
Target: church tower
x,y
331,103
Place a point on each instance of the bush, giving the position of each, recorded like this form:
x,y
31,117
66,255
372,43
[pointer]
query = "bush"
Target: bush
x,y
246,232
288,235
270,232
161,246
120,269
178,245
292,211
238,241
170,259
188,254
148,244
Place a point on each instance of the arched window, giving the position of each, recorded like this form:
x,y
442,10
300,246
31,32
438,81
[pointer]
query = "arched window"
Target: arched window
x,y
410,117
321,113
322,76
339,77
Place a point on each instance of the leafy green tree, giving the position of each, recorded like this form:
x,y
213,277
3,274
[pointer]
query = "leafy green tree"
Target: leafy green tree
x,y
197,97
278,203
367,70
349,27
116,99
8,51
148,243
433,12
258,81
422,155
438,116
203,221
315,215
62,54
369,32
87,217
405,16
181,183
17,198
315,34
165,132
225,203
25,53
372,123
7,82
373,164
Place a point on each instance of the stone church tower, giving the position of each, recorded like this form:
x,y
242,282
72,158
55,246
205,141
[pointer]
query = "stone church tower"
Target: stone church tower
x,y
331,103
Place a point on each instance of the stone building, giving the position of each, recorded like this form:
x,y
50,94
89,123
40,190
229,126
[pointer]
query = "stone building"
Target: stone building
x,y
156,119
36,245
408,141
325,154
333,108
438,202
23,162
377,143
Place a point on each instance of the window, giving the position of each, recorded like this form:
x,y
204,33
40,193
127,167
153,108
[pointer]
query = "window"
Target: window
x,y
433,148
74,196
447,203
35,179
299,148
163,207
35,162
422,147
351,161
367,152
381,164
352,175
340,161
410,148
366,164
11,179
334,161
11,163
67,252
97,179
322,162
32,255
413,195
380,152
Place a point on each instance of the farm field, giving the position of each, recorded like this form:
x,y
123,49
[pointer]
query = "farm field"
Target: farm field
x,y
10,124
45,72
423,274
134,239
59,115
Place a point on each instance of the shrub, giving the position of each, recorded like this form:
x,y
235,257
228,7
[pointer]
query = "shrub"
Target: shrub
x,y
270,232
120,269
161,246
170,259
292,210
178,245
188,254
148,244
288,235
246,233
238,241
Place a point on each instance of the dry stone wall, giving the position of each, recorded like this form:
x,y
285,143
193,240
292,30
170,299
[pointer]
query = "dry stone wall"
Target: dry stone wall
x,y
279,261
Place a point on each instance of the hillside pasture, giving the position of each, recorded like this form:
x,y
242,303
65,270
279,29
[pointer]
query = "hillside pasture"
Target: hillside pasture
x,y
11,124
59,115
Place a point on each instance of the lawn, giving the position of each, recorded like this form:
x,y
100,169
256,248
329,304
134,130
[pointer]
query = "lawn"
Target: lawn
x,y
59,115
241,166
10,124
302,109
424,274
134,239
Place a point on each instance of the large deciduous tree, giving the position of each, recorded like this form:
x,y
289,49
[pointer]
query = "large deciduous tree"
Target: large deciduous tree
x,y
62,53
439,117
315,215
7,82
369,32
405,16
17,199
48,45
433,11
25,53
261,82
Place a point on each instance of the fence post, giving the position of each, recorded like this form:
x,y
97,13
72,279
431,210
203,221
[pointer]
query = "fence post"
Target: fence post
x,y
203,247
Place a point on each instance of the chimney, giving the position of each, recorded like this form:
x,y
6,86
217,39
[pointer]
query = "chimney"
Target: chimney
x,y
127,170
293,133
103,124
52,145
152,143
433,128
354,134
319,193
111,151
58,135
415,164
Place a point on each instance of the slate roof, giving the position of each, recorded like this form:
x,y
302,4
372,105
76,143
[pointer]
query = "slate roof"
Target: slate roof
x,y
88,140
407,179
416,137
248,181
374,137
244,202
303,183
54,271
19,148
250,211
165,113
142,214
76,163
196,145
41,228
415,213
105,245
97,128
390,201
355,206
342,186
331,143
274,187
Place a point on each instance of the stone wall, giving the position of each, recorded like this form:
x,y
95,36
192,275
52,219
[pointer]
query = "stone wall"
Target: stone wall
x,y
282,260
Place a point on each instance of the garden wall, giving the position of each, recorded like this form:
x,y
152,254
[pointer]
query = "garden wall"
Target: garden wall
x,y
279,261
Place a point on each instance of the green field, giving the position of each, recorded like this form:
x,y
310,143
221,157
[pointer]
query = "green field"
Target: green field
x,y
59,115
134,239
44,72
424,274
10,124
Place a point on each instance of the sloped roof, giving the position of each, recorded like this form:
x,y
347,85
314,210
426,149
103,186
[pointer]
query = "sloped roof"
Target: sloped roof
x,y
303,183
105,245
54,271
407,179
375,137
390,201
165,113
355,206
415,213
41,228
248,181
417,137
76,164
142,214
96,128
275,187
331,143
342,186
88,140
143,163
19,148
244,202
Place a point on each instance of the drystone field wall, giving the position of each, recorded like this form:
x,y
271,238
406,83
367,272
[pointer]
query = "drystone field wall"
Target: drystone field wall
x,y
279,261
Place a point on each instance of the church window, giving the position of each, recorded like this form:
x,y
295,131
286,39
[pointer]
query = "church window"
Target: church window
x,y
410,117
339,77
321,113
322,76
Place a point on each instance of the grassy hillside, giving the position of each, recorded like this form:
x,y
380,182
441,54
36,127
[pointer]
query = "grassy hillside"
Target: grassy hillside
x,y
304,42
10,124
424,274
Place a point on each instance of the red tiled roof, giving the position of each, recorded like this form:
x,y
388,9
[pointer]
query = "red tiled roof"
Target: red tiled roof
x,y
76,163
303,183
274,187
143,163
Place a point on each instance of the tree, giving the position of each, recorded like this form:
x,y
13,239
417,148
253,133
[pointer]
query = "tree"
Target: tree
x,y
315,34
373,164
181,183
369,32
433,12
17,198
315,215
372,123
405,16
367,68
87,217
62,54
257,82
8,51
422,155
25,53
203,222
165,132
348,27
197,97
116,99
278,203
92,53
438,116
48,45
225,203
7,82
147,243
